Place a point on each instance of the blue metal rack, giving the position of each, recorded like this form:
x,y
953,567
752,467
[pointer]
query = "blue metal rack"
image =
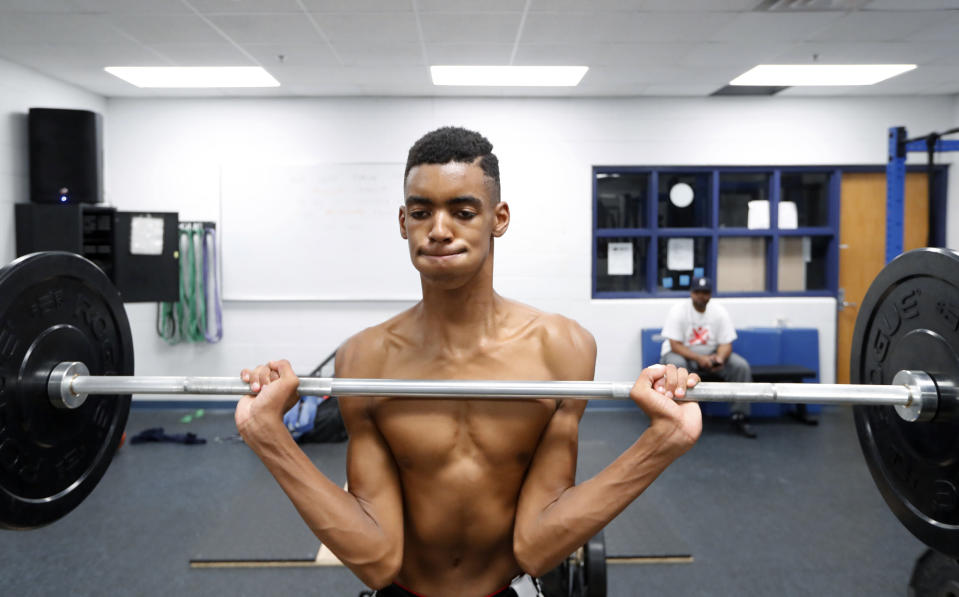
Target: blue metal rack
x,y
899,146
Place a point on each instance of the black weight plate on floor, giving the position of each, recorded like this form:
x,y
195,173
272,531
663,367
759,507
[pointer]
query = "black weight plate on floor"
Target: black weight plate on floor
x,y
56,307
909,319
594,565
934,575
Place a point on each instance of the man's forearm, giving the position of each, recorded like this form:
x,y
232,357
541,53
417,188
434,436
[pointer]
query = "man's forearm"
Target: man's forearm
x,y
336,517
583,510
723,351
683,350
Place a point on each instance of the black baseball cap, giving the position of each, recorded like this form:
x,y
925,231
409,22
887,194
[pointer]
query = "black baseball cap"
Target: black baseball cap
x,y
704,284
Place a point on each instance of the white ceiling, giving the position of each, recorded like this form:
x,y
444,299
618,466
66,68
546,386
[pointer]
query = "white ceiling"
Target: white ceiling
x,y
384,47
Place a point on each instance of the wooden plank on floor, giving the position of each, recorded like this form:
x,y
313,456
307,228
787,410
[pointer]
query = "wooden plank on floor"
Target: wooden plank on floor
x,y
684,559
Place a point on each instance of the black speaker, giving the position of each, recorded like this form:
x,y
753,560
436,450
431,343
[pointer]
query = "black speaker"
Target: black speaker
x,y
66,158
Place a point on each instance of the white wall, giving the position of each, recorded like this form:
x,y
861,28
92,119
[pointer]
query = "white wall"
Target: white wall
x,y
952,158
165,155
20,90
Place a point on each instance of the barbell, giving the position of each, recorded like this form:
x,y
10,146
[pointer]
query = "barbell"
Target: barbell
x,y
66,379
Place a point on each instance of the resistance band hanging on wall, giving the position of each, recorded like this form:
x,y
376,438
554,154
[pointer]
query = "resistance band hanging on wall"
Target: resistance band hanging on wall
x,y
186,320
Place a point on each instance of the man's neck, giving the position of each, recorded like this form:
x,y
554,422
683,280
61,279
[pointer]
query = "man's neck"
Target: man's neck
x,y
459,318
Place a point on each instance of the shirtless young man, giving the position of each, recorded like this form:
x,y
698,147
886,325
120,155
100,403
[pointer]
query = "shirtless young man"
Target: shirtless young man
x,y
462,498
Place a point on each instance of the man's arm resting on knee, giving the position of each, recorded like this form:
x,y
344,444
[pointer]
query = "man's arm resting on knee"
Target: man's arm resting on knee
x,y
554,516
723,351
688,353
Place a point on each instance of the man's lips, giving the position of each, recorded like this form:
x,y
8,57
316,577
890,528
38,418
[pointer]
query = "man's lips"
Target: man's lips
x,y
442,254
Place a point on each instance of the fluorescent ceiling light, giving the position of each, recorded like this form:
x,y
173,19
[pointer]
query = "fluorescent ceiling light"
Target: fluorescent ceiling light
x,y
795,75
509,76
194,76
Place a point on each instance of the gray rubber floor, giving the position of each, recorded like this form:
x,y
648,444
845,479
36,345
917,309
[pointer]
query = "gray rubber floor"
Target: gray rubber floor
x,y
792,513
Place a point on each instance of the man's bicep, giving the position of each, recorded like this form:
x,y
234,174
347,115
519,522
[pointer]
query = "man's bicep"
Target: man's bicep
x,y
553,469
370,468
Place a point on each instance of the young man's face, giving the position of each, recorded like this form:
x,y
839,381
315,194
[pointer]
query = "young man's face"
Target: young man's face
x,y
449,220
700,298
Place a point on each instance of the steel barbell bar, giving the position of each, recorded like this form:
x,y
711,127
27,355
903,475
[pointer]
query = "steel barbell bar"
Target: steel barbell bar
x,y
913,393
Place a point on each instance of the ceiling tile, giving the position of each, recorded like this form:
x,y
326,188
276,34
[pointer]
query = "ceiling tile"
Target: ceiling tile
x,y
585,5
272,28
380,79
912,5
443,28
218,54
673,27
766,27
472,54
357,53
730,53
318,54
680,89
58,28
34,6
166,28
245,6
471,6
81,57
559,28
596,54
379,27
700,5
130,6
945,27
358,5
858,53
611,27
876,26
946,53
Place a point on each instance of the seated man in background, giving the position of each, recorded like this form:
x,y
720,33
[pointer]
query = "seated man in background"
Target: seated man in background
x,y
462,498
699,335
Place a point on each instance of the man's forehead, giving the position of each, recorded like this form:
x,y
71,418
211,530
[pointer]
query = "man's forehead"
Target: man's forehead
x,y
449,169
455,177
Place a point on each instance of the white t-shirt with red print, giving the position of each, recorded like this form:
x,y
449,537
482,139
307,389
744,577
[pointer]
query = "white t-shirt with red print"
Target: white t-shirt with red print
x,y
701,332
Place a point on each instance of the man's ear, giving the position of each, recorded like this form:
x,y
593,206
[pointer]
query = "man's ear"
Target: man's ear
x,y
500,219
402,217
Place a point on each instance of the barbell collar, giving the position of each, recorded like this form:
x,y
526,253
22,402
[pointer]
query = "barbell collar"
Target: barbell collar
x,y
905,395
925,403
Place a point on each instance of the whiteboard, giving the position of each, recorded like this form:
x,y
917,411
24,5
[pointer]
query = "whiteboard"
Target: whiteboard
x,y
314,232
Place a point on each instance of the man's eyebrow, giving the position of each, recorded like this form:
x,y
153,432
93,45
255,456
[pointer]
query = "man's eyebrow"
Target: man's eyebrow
x,y
463,199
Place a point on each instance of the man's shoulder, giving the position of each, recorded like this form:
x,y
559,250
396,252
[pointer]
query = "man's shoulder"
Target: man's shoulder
x,y
680,310
368,346
551,327
569,348
717,309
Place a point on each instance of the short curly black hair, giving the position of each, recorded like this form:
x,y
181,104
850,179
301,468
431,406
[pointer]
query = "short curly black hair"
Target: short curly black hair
x,y
455,144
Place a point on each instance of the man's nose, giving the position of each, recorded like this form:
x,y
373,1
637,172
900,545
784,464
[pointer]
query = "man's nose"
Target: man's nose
x,y
440,231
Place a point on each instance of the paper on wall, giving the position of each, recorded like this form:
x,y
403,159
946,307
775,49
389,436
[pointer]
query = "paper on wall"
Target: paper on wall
x,y
788,216
679,254
620,259
146,235
758,214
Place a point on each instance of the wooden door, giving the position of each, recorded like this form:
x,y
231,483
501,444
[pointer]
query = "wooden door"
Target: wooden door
x,y
862,244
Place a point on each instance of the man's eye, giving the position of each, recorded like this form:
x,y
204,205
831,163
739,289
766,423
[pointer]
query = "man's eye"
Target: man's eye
x,y
419,214
466,215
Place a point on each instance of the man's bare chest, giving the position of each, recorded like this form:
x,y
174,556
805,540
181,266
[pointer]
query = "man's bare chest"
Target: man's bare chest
x,y
431,434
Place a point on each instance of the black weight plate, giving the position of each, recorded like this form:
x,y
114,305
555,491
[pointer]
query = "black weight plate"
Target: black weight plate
x,y
56,307
934,575
594,564
909,319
